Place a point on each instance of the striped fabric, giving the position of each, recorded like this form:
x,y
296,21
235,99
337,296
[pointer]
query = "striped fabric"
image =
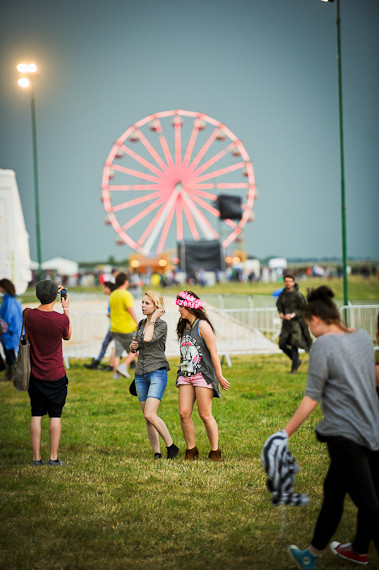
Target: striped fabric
x,y
281,470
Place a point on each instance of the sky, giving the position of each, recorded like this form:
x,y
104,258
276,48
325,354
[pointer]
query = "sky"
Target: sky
x,y
266,69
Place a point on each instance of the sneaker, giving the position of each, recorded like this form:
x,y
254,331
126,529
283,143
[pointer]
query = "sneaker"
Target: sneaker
x,y
57,462
172,451
123,371
37,462
157,456
106,368
92,365
346,551
303,559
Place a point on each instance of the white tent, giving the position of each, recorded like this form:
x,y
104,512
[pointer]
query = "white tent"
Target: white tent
x,y
14,239
59,264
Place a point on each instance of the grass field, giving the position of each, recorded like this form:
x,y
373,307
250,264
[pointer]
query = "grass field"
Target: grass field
x,y
113,506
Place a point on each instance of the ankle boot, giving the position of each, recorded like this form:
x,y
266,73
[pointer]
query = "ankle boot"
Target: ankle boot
x,y
215,455
172,451
192,454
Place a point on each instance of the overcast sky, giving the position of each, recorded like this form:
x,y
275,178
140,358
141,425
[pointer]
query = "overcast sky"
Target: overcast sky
x,y
266,69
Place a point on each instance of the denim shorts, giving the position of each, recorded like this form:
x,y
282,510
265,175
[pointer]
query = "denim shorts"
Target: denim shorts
x,y
151,385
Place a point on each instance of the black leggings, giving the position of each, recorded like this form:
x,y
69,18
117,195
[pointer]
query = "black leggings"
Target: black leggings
x,y
349,472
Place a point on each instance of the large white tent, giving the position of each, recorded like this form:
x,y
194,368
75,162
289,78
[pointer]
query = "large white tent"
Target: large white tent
x,y
59,264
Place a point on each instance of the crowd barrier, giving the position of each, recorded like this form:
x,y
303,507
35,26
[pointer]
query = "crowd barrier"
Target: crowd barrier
x,y
239,331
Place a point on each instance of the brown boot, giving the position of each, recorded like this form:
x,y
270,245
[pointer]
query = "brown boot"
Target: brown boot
x,y
215,455
192,454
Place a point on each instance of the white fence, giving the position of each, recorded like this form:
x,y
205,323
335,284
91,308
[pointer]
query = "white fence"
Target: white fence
x,y
239,331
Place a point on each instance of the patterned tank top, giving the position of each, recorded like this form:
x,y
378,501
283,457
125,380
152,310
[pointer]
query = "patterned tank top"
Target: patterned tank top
x,y
195,358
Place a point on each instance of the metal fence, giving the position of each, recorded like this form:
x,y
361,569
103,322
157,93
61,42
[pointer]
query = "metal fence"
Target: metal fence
x,y
239,331
362,317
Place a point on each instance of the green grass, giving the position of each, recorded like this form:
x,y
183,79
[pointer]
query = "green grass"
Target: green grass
x,y
113,506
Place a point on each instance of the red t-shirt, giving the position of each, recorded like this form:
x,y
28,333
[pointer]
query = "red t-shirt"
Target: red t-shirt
x,y
46,330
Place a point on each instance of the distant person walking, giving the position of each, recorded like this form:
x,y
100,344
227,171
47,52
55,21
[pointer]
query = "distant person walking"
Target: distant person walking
x,y
342,376
108,287
151,371
11,313
48,380
199,373
123,323
294,333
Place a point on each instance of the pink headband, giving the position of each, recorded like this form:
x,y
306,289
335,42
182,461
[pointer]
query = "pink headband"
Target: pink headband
x,y
188,300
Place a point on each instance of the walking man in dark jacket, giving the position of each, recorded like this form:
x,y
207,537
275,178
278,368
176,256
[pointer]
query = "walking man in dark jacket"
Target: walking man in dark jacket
x,y
294,333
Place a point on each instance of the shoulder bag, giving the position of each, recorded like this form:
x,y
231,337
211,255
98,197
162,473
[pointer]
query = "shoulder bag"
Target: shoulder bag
x,y
22,369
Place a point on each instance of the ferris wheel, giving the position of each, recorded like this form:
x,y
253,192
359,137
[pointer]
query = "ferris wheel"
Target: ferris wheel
x,y
164,175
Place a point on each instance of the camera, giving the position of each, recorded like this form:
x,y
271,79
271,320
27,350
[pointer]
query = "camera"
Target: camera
x,y
63,294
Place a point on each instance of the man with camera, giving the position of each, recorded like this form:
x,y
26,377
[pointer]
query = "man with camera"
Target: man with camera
x,y
48,381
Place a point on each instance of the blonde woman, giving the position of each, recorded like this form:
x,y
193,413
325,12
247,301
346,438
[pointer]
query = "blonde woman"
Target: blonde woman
x,y
151,371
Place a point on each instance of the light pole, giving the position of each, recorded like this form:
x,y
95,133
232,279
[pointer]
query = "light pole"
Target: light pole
x,y
28,72
342,161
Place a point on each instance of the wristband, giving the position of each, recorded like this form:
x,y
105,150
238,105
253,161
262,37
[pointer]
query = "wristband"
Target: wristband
x,y
151,323
66,309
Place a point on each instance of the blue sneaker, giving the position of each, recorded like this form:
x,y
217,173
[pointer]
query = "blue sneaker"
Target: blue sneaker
x,y
303,559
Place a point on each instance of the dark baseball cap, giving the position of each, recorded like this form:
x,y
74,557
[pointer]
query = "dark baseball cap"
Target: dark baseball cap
x,y
46,291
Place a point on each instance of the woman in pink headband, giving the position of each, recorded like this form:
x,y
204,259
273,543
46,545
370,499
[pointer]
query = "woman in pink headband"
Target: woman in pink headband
x,y
199,373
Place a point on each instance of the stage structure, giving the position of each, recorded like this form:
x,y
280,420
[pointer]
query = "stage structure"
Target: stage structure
x,y
205,254
165,176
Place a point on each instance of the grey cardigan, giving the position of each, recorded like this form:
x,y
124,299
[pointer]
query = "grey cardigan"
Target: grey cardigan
x,y
151,354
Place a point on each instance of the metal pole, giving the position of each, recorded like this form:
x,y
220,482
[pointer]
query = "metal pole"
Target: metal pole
x,y
343,201
36,191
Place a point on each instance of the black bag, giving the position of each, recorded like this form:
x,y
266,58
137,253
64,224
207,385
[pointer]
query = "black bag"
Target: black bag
x,y
132,388
22,369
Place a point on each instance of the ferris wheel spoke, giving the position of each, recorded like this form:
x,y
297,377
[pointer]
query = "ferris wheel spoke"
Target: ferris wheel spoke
x,y
140,159
221,171
135,173
179,219
232,185
149,147
190,221
231,237
135,202
166,150
214,159
231,223
198,192
166,228
156,224
204,148
206,206
206,228
178,141
125,187
142,214
191,142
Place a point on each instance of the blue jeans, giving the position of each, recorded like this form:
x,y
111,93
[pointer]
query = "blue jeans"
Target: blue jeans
x,y
107,340
151,385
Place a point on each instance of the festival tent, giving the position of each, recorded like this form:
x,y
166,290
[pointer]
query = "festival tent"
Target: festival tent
x,y
59,264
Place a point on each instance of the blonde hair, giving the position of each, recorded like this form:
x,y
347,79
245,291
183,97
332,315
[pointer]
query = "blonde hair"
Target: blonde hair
x,y
156,298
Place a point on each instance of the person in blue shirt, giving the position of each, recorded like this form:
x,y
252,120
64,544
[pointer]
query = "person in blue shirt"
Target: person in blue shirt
x,y
11,313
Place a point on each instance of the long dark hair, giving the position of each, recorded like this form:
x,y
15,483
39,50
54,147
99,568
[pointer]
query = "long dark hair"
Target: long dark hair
x,y
8,286
320,304
198,313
